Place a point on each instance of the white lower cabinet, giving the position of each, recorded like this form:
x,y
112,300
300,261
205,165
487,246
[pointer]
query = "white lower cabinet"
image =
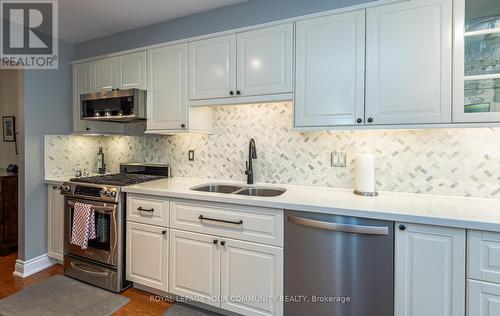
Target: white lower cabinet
x,y
483,250
408,62
483,271
251,278
147,255
55,227
168,110
429,271
195,266
483,298
239,276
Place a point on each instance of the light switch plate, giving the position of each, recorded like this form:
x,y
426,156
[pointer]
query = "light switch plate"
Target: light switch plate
x,y
339,159
191,155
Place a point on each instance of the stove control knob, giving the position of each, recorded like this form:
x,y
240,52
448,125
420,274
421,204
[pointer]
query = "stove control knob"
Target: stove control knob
x,y
110,193
66,188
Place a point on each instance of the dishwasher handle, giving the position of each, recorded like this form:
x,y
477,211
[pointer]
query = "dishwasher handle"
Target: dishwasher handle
x,y
344,228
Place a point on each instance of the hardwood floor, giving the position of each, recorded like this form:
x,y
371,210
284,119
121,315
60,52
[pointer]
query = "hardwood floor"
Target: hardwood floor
x,y
139,304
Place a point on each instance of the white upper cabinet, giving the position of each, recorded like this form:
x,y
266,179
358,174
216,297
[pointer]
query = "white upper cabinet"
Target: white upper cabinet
x,y
212,68
168,110
81,85
408,62
244,67
429,271
329,86
104,74
167,88
131,71
121,72
265,60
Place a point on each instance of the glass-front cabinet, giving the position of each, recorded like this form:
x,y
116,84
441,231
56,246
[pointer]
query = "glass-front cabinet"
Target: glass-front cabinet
x,y
476,61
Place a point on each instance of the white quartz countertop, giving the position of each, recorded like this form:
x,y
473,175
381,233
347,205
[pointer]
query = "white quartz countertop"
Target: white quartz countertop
x,y
464,212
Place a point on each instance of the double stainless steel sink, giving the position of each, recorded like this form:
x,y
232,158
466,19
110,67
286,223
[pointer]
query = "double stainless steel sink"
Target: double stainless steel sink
x,y
241,190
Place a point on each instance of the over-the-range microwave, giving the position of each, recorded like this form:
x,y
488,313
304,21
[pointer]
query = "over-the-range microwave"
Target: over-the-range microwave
x,y
114,106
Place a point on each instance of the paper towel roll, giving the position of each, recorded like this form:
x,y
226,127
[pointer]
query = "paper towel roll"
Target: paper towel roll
x,y
365,173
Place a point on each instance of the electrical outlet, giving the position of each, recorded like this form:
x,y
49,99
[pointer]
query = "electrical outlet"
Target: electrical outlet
x,y
191,155
339,159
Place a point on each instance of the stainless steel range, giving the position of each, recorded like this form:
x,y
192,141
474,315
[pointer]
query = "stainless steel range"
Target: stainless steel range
x,y
103,262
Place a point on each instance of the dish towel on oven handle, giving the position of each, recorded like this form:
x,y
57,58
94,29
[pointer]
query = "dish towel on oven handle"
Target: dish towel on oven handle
x,y
83,225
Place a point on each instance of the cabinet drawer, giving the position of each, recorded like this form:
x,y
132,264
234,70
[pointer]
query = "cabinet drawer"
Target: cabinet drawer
x,y
147,209
250,223
483,299
483,250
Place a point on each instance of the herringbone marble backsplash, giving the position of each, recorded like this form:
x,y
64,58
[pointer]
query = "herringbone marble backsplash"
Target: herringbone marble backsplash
x,y
464,162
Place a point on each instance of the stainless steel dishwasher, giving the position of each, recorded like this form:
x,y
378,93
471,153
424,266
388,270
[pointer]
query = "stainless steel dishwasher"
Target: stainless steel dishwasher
x,y
338,265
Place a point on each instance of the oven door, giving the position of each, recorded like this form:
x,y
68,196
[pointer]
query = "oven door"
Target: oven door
x,y
103,248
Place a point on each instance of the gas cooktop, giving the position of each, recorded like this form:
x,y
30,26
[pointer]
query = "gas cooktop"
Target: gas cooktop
x,y
118,179
107,187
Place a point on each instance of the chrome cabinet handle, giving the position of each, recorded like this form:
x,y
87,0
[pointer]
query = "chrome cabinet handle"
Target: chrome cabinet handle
x,y
140,209
345,228
240,222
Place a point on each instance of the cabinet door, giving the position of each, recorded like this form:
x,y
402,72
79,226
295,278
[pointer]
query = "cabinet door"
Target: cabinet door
x,y
251,270
55,218
408,63
195,266
81,85
147,255
104,74
131,71
430,268
483,299
476,61
265,60
483,256
212,68
167,104
330,54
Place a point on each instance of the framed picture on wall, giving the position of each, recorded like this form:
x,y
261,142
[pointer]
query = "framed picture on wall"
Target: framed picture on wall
x,y
9,128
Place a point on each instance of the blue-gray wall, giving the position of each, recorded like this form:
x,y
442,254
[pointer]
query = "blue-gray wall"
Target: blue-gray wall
x,y
47,110
244,14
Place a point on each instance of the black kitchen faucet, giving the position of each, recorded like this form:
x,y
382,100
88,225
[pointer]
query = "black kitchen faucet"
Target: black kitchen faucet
x,y
252,154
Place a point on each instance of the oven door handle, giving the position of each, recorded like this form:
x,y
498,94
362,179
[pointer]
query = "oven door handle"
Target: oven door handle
x,y
96,208
103,209
95,273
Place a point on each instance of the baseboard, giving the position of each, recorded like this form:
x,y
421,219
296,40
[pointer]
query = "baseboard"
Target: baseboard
x,y
29,267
